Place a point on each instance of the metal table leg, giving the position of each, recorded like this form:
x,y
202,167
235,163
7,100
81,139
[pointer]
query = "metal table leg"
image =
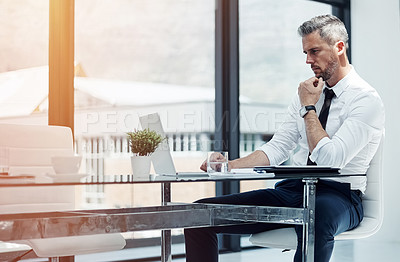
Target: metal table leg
x,y
166,243
309,226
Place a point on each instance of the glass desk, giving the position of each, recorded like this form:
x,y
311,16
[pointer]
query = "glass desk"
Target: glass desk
x,y
165,217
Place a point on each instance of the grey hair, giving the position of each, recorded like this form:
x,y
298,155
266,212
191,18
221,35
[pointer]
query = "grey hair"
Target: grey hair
x,y
331,29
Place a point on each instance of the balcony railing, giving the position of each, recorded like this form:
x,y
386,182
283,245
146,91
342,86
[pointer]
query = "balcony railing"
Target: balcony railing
x,y
95,149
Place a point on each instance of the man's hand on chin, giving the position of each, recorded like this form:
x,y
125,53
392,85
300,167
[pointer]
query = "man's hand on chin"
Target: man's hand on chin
x,y
310,90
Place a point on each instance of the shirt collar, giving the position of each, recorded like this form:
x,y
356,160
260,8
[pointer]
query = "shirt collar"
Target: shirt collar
x,y
342,84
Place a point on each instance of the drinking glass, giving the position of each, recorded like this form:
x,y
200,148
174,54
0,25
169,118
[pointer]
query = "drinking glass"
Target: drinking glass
x,y
217,162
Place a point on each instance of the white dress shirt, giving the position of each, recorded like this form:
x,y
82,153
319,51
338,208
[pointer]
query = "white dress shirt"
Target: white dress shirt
x,y
355,126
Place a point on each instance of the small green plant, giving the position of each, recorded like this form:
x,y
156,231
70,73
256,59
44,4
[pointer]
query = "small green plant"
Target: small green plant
x,y
144,142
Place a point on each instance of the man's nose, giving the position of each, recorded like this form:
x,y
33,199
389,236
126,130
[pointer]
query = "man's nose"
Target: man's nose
x,y
309,60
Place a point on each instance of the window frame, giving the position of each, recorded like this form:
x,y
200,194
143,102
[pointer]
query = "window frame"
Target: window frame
x,y
61,63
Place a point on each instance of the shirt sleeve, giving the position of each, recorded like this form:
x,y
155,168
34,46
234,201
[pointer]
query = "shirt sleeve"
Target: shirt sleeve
x,y
285,139
364,123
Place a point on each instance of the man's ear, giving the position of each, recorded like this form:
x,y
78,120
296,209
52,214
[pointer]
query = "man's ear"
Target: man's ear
x,y
340,47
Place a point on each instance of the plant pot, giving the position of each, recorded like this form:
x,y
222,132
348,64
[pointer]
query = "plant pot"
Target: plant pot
x,y
140,166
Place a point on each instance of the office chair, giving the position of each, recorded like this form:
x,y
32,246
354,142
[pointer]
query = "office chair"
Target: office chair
x,y
30,148
372,201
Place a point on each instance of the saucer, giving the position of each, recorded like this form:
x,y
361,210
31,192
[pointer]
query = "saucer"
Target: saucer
x,y
67,178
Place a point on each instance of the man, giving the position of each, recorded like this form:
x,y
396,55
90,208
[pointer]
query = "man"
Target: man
x,y
349,140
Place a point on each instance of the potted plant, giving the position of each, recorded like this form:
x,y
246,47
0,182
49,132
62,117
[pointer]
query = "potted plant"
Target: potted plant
x,y
142,144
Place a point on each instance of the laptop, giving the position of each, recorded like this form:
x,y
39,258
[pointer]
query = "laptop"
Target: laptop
x,y
296,170
161,158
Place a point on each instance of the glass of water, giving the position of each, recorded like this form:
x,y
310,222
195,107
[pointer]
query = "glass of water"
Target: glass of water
x,y
217,162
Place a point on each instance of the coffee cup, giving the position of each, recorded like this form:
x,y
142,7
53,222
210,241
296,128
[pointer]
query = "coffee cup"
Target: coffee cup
x,y
66,164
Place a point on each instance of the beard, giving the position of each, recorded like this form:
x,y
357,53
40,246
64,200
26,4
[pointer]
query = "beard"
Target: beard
x,y
330,69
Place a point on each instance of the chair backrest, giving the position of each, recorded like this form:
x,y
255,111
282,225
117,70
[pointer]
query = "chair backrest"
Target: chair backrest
x,y
30,148
29,151
372,200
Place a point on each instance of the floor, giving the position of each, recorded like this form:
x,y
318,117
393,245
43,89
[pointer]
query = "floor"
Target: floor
x,y
345,251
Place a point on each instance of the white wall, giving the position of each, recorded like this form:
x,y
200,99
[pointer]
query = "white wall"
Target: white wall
x,y
376,57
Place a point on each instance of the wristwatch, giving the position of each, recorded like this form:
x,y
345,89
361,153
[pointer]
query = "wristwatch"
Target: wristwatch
x,y
304,110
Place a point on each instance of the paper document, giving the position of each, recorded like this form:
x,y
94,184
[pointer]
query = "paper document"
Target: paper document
x,y
243,171
240,172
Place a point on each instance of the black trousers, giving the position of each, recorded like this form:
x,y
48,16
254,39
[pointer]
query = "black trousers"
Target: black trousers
x,y
338,209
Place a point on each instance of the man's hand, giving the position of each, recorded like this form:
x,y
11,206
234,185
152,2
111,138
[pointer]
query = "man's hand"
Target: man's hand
x,y
257,158
215,157
204,166
310,90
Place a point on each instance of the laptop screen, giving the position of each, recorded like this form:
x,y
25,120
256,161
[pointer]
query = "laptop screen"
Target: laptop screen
x,y
161,158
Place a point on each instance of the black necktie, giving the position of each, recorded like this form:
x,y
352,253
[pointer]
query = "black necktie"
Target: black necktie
x,y
323,115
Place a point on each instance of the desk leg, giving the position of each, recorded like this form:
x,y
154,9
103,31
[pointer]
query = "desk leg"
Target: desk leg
x,y
309,226
166,243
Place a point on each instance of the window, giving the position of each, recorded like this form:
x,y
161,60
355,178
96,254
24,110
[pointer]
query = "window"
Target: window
x,y
138,57
24,59
272,65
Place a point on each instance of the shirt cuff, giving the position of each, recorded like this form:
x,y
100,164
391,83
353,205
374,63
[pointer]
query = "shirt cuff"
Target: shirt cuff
x,y
315,153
